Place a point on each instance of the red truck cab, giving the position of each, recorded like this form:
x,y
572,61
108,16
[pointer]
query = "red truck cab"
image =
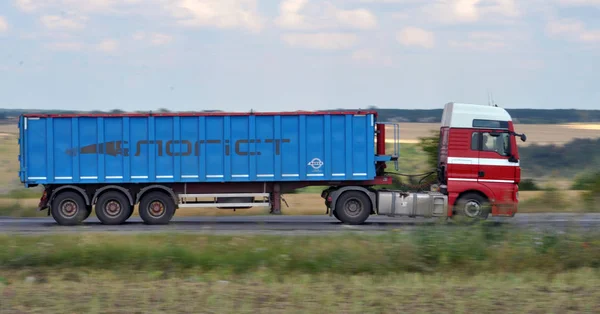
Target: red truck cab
x,y
479,166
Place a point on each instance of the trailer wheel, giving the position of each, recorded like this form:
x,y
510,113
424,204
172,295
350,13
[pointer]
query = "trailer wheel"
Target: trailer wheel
x,y
68,208
353,207
88,209
113,208
473,206
156,208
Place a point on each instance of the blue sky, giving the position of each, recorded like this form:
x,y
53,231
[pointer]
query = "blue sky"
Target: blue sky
x,y
267,55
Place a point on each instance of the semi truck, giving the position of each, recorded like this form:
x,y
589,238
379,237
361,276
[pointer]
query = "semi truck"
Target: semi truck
x,y
160,162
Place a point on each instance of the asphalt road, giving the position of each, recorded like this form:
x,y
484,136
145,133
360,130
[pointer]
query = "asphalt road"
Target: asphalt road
x,y
292,225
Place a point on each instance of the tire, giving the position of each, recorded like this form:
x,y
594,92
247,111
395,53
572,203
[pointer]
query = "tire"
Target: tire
x,y
130,213
473,206
113,208
68,208
88,208
334,213
156,208
353,207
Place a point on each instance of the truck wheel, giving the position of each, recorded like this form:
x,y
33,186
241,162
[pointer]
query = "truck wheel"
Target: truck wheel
x,y
473,206
334,213
130,213
156,208
88,209
68,208
353,207
113,208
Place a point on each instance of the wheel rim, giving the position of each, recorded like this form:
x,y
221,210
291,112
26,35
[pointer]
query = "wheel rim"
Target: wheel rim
x,y
472,208
156,209
113,208
353,207
68,208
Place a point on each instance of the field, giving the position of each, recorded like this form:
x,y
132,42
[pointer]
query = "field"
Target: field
x,y
435,270
112,292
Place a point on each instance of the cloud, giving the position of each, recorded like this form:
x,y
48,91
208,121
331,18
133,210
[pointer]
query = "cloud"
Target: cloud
x,y
414,36
61,22
81,6
303,15
463,11
371,57
3,25
578,2
108,46
65,46
26,5
482,41
572,30
156,39
322,41
225,14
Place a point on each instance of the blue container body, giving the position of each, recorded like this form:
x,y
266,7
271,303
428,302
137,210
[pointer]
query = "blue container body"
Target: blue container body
x,y
196,148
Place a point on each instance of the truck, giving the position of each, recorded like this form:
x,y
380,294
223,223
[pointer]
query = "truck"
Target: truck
x,y
160,162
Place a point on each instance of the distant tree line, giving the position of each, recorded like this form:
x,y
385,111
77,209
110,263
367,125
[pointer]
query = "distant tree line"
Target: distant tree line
x,y
575,157
524,116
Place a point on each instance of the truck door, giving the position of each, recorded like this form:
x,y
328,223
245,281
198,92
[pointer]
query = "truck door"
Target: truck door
x,y
494,155
497,170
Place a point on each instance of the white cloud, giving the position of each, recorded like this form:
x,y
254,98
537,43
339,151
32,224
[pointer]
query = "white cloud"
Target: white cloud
x,y
371,57
160,39
108,46
579,2
323,41
65,46
303,15
81,6
463,11
60,22
3,25
414,36
224,14
26,5
573,30
156,39
481,41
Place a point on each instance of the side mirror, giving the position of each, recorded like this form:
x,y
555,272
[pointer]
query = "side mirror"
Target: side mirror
x,y
523,137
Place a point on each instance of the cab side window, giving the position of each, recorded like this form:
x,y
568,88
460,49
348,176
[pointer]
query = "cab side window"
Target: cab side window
x,y
488,142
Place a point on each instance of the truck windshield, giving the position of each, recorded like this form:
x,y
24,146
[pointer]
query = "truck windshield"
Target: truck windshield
x,y
499,143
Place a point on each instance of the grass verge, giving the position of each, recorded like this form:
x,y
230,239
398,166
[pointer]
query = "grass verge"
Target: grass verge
x,y
472,250
259,292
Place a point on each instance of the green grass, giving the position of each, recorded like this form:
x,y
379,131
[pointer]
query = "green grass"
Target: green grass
x,y
93,291
475,249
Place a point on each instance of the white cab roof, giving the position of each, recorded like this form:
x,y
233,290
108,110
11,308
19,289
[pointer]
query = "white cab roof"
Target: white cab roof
x,y
457,115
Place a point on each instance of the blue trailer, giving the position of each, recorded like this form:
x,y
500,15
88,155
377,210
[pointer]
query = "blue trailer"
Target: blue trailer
x,y
112,162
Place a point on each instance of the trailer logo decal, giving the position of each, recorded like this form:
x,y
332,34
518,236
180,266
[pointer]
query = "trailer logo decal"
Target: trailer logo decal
x,y
177,147
316,163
